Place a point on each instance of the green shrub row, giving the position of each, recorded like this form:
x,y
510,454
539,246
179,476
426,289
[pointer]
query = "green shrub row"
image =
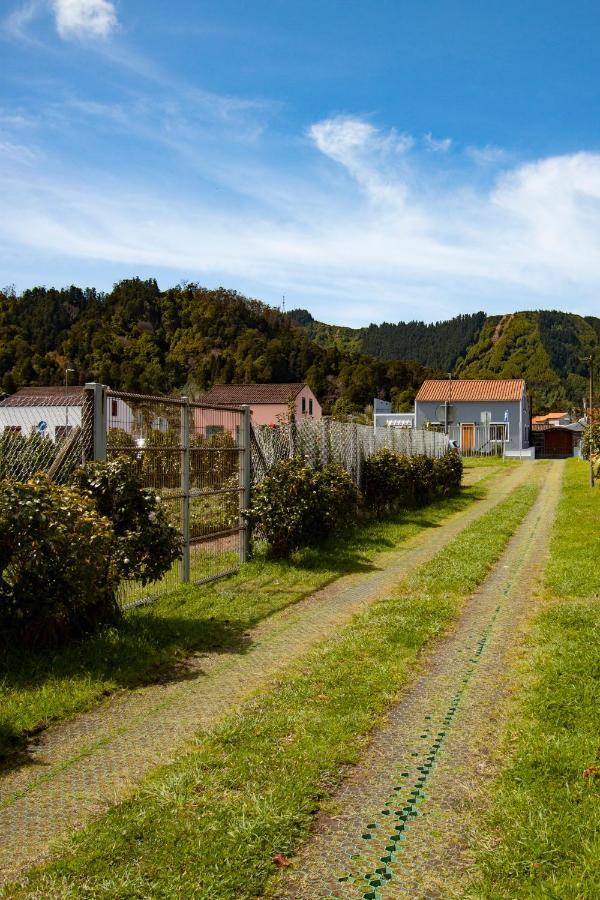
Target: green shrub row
x,y
392,481
64,551
296,506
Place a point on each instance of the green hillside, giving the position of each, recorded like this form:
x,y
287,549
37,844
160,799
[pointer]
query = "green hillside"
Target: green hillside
x,y
547,348
139,338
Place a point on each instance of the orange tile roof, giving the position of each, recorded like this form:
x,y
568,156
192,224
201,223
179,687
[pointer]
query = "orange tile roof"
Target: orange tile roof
x,y
552,415
503,389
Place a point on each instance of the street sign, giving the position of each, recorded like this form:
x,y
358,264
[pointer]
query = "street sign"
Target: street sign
x,y
42,426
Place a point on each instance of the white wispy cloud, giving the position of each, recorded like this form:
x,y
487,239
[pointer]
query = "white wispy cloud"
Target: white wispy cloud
x,y
388,240
74,19
85,18
16,23
441,145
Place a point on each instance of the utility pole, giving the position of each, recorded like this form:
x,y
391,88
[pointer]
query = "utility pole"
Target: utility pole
x,y
448,402
67,401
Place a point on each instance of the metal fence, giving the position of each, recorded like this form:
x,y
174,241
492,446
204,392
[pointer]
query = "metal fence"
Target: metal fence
x,y
45,433
196,457
328,441
478,440
200,459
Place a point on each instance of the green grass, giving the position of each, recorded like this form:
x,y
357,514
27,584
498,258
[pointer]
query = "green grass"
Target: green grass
x,y
574,564
542,835
38,690
208,825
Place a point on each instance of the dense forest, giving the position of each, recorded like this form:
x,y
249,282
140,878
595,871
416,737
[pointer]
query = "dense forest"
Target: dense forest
x,y
439,345
183,340
187,338
547,348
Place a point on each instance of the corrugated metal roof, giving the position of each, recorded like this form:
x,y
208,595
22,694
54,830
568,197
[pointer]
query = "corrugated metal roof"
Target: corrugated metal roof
x,y
237,394
502,389
53,396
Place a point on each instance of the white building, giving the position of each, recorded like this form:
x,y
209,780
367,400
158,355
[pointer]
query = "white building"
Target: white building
x,y
54,411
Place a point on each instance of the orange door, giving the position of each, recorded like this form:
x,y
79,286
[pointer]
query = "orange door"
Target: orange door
x,y
467,437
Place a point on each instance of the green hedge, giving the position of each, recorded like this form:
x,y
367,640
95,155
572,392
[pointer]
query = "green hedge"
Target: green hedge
x,y
295,505
56,579
392,481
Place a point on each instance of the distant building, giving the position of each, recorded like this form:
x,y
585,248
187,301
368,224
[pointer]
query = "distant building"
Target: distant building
x,y
550,420
53,412
270,404
478,413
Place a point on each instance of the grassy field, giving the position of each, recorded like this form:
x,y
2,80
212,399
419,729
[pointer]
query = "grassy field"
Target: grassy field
x,y
38,690
209,825
542,838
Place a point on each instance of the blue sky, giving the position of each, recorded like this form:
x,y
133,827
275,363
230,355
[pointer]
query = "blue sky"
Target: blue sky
x,y
370,160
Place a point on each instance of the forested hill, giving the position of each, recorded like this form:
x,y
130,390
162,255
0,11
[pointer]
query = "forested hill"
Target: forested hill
x,y
186,338
547,348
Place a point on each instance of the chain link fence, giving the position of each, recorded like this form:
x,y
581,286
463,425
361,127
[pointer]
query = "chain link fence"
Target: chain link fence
x,y
45,431
328,441
200,460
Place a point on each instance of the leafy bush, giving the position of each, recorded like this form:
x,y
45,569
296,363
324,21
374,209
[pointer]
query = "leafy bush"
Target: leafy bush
x,y
146,545
590,443
295,506
448,471
387,481
392,481
56,581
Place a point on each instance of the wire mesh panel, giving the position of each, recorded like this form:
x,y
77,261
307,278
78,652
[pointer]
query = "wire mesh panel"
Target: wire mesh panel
x,y
45,430
217,490
329,441
192,456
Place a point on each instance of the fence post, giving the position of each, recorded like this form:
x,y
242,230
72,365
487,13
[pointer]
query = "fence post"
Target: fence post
x,y
97,404
245,480
184,566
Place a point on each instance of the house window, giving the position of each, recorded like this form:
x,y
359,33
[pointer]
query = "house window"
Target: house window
x,y
114,408
310,412
214,429
303,405
498,432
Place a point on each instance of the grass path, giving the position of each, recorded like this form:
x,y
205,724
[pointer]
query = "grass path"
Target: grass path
x,y
399,825
39,690
83,767
540,838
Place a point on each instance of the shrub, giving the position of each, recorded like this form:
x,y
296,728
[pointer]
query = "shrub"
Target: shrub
x,y
392,481
448,470
56,580
146,545
590,443
422,479
387,481
295,506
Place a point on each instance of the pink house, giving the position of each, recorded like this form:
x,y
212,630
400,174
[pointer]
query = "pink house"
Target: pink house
x,y
270,404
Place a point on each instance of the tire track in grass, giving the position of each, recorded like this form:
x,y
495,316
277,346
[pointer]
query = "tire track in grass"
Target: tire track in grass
x,y
400,822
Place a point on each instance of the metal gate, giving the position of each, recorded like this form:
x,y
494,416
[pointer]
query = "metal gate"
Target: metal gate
x,y
197,458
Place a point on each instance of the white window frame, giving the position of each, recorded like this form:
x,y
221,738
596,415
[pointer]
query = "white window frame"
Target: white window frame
x,y
506,426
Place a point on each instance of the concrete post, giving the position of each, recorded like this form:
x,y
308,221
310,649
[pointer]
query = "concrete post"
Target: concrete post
x,y
184,566
245,470
97,394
